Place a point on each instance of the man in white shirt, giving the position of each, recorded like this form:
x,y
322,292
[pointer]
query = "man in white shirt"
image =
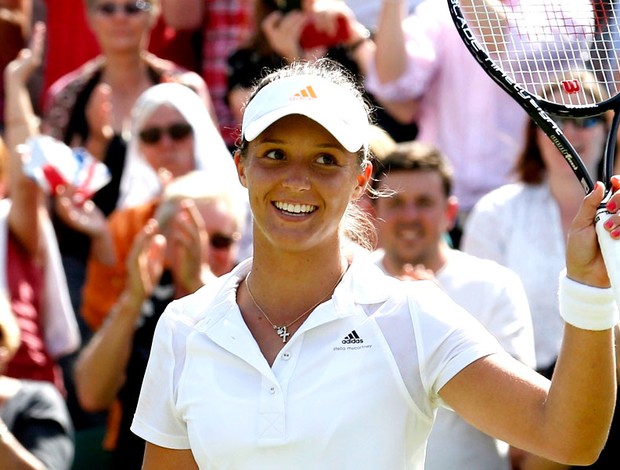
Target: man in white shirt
x,y
412,226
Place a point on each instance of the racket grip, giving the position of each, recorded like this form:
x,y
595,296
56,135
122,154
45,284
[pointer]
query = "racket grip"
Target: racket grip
x,y
610,250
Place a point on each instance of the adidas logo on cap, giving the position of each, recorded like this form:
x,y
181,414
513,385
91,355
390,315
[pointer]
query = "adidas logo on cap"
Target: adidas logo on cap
x,y
352,338
307,92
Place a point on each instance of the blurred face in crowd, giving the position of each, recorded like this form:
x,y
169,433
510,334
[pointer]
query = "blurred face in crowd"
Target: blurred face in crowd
x,y
412,222
587,135
223,236
166,141
121,25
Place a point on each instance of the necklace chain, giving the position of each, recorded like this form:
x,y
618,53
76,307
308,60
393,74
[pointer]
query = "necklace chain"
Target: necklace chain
x,y
282,331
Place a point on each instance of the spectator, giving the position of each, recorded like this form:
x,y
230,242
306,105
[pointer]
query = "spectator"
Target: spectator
x,y
164,251
308,355
35,427
224,25
419,67
156,112
277,40
31,268
91,107
153,154
72,43
412,224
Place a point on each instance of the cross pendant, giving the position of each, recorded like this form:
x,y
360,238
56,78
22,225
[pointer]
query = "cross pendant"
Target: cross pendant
x,y
282,332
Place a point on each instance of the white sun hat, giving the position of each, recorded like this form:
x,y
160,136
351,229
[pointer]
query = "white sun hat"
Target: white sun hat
x,y
332,106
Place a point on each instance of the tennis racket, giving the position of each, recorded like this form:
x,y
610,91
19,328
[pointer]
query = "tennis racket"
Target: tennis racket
x,y
530,47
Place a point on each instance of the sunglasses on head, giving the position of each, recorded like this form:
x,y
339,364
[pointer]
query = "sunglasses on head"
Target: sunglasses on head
x,y
579,123
177,131
221,241
110,8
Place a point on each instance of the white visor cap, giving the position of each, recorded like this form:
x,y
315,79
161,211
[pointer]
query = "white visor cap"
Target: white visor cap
x,y
332,106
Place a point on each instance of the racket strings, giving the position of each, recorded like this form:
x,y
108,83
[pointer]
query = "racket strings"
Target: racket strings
x,y
545,45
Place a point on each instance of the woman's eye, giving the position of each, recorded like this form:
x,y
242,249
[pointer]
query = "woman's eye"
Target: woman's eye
x,y
326,159
275,154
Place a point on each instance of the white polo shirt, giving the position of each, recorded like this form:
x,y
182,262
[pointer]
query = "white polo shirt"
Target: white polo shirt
x,y
354,388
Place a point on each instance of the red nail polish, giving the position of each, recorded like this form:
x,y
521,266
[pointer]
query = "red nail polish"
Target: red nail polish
x,y
611,206
616,233
609,224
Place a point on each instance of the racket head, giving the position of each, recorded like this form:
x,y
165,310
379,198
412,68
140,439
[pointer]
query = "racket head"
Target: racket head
x,y
541,44
554,57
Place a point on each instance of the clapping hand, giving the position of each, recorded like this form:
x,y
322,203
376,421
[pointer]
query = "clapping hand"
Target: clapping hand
x,y
188,241
145,263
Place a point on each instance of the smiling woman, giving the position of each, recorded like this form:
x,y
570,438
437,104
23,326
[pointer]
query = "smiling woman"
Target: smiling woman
x,y
276,364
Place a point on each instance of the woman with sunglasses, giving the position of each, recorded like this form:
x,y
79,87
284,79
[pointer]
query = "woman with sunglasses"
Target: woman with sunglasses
x,y
172,135
524,225
308,357
90,107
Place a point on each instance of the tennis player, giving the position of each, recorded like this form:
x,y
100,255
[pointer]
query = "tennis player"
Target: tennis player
x,y
309,357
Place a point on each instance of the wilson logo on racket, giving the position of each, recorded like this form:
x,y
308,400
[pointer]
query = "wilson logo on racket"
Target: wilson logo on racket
x,y
571,86
307,92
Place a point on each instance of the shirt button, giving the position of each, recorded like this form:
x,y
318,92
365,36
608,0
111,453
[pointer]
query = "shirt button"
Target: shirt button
x,y
286,356
272,390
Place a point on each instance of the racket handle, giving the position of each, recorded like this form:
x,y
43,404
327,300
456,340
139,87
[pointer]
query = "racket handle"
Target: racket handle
x,y
610,250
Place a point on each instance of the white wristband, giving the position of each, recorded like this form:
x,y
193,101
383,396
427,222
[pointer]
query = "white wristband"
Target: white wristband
x,y
586,307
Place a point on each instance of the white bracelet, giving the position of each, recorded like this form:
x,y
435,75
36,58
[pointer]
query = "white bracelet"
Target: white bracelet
x,y
586,307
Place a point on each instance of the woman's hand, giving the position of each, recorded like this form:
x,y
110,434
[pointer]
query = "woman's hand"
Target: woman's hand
x,y
584,262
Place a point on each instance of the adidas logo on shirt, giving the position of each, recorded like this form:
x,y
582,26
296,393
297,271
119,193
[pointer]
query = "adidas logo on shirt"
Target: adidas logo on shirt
x,y
352,338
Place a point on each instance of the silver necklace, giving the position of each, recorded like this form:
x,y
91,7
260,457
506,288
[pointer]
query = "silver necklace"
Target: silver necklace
x,y
282,331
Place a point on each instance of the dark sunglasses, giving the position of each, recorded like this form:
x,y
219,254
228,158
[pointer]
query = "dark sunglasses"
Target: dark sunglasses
x,y
178,131
109,8
221,241
580,123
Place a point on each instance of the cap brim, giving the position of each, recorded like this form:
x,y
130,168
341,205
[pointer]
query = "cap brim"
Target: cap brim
x,y
330,105
342,133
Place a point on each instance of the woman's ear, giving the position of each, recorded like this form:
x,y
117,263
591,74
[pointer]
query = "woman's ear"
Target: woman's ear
x,y
363,179
239,163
